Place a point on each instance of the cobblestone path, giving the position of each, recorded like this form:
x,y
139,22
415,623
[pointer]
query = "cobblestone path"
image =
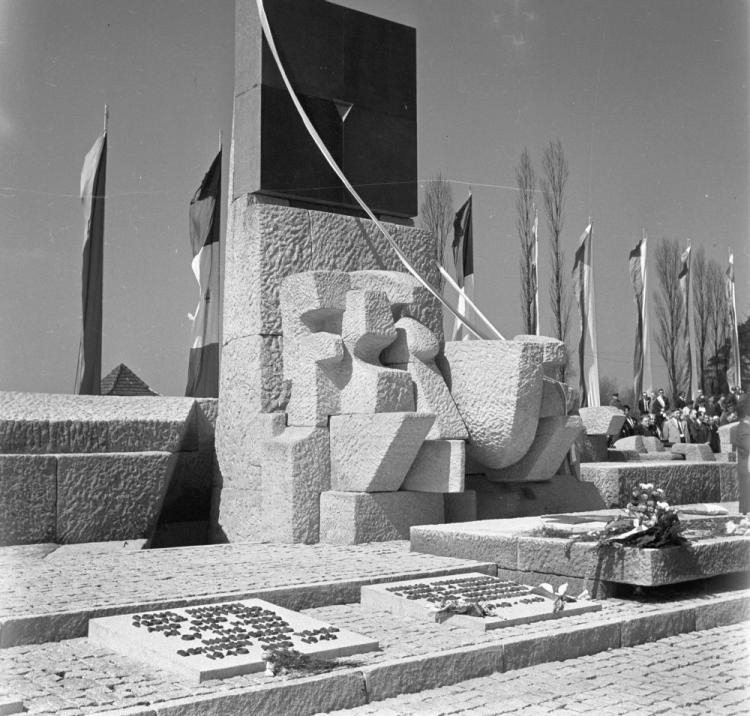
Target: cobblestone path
x,y
694,674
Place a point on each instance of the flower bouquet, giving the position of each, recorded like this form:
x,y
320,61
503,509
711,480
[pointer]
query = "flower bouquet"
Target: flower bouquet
x,y
649,522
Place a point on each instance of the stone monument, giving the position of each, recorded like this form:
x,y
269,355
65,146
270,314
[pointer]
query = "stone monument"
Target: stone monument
x,y
343,415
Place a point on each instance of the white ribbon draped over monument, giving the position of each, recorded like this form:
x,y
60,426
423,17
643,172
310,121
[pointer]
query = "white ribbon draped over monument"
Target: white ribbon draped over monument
x,y
332,162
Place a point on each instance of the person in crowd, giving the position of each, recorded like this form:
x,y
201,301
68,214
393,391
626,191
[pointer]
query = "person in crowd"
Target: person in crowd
x,y
628,427
700,400
674,430
644,402
614,400
661,401
646,427
696,427
714,441
713,409
681,401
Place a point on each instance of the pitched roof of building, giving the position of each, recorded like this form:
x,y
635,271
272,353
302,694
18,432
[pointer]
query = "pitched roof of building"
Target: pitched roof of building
x,y
122,381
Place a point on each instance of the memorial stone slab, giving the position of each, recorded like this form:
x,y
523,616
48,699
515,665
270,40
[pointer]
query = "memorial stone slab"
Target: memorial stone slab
x,y
217,641
694,452
602,420
507,603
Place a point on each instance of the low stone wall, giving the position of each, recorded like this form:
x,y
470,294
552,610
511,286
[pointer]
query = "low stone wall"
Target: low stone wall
x,y
93,468
683,482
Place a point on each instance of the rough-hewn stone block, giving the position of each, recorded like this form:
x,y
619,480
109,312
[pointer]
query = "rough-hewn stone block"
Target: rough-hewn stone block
x,y
438,467
356,517
602,420
408,298
252,376
351,244
631,443
725,436
372,452
553,439
415,350
52,423
683,482
265,243
28,495
296,468
110,496
694,452
236,512
497,388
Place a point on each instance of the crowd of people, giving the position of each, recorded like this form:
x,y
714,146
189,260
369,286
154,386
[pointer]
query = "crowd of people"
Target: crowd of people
x,y
681,421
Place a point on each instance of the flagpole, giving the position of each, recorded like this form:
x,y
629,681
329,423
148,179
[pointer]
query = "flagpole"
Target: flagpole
x,y
471,303
106,118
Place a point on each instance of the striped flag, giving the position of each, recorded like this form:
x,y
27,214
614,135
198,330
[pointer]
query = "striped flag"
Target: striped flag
x,y
93,180
463,258
734,369
535,275
205,213
686,288
641,350
583,277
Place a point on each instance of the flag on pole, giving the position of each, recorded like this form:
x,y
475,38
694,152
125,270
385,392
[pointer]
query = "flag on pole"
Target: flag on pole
x,y
583,277
686,288
93,179
535,276
463,258
734,369
641,352
205,213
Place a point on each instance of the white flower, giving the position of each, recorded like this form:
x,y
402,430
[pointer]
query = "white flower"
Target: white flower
x,y
662,506
731,528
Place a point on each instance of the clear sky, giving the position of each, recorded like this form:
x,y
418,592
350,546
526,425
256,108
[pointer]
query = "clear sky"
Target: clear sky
x,y
649,99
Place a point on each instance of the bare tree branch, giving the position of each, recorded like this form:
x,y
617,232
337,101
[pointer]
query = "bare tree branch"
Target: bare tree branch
x,y
701,311
670,313
526,181
556,172
436,213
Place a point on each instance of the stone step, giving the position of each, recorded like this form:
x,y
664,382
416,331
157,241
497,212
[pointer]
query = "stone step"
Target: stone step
x,y
45,601
414,656
73,498
38,423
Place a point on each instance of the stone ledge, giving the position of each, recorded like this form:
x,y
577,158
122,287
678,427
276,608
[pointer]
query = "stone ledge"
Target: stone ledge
x,y
41,628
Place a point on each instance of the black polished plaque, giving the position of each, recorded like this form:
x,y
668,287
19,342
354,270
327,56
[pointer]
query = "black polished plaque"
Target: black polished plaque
x,y
355,75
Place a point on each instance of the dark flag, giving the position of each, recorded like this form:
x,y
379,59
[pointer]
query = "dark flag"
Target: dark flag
x,y
205,214
93,176
584,288
463,258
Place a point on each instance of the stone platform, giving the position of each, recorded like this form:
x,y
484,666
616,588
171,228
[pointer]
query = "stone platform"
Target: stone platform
x,y
523,553
76,677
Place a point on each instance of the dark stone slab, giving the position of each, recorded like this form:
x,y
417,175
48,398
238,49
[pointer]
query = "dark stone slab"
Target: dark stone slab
x,y
333,56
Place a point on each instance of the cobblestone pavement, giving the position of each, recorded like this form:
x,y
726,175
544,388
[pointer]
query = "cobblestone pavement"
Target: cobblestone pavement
x,y
35,583
75,676
694,674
